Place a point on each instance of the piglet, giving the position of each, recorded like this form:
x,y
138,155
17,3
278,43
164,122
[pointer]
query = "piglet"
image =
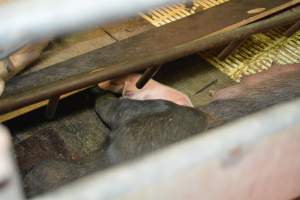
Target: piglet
x,y
151,91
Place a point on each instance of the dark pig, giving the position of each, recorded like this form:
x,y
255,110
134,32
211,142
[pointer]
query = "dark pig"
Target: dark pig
x,y
278,84
49,175
136,127
73,137
139,127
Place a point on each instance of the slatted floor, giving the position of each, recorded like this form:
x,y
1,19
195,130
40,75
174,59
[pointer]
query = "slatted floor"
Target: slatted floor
x,y
162,16
258,52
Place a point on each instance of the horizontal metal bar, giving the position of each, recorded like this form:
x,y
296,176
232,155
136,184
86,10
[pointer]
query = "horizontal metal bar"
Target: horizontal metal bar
x,y
247,159
141,62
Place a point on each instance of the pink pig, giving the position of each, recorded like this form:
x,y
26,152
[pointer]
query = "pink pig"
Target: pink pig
x,y
152,90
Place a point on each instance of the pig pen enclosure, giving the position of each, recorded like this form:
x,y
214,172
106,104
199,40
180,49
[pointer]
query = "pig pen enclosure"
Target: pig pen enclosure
x,y
72,140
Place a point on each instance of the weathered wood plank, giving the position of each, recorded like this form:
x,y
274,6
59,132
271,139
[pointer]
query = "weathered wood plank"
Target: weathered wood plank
x,y
72,46
127,28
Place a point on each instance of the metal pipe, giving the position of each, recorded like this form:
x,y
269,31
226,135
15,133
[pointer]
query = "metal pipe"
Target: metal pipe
x,y
52,107
148,74
139,63
218,165
28,21
294,28
231,47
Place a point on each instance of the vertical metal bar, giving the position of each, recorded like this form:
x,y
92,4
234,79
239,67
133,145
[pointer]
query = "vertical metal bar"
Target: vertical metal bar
x,y
231,47
292,29
52,107
148,74
10,186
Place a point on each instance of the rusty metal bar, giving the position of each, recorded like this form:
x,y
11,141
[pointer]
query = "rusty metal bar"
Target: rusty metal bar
x,y
231,47
294,28
152,59
218,165
52,107
148,74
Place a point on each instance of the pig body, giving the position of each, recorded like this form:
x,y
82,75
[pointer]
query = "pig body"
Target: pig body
x,y
49,175
256,92
153,90
139,127
135,128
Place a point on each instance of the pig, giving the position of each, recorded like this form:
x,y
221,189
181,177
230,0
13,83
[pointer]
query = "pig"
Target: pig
x,y
152,90
255,92
139,127
72,137
135,128
49,175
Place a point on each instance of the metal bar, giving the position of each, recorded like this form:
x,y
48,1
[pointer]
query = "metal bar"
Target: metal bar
x,y
148,74
206,86
52,107
231,47
218,165
10,186
155,58
293,29
21,21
